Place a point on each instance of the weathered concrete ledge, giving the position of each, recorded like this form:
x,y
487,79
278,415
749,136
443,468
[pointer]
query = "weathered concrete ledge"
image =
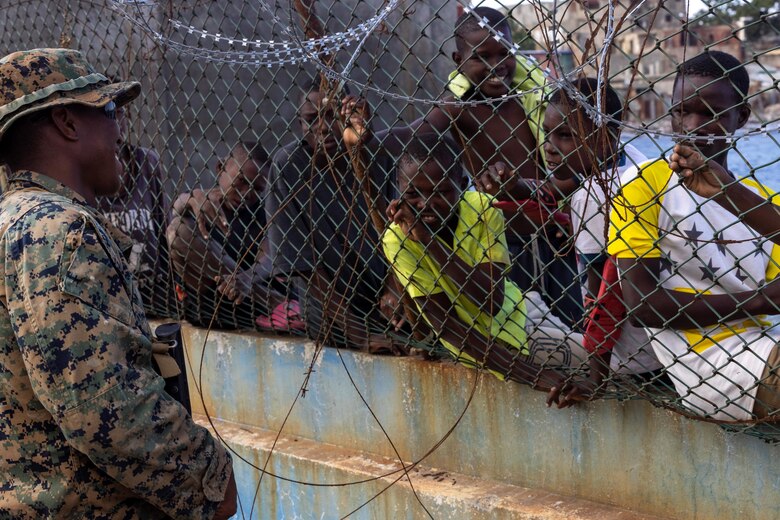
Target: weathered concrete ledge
x,y
629,455
443,494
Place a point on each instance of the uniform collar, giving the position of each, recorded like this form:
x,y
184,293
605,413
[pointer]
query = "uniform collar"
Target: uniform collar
x,y
27,178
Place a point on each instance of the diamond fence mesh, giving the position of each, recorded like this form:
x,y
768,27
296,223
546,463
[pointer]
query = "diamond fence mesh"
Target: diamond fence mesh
x,y
492,185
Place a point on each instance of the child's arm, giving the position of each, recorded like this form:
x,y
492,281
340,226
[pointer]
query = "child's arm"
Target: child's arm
x,y
356,113
205,207
251,283
649,305
441,314
198,260
570,392
602,330
709,179
336,309
514,194
500,181
390,303
593,273
482,283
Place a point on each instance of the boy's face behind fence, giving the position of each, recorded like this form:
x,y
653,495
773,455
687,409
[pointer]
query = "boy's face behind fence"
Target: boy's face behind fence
x,y
570,142
241,180
487,63
430,192
319,124
703,107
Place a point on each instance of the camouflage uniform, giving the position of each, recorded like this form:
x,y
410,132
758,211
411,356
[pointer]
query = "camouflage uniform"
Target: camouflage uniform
x,y
86,430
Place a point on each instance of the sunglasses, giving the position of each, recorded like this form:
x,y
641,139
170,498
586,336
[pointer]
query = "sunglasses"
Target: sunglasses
x,y
110,110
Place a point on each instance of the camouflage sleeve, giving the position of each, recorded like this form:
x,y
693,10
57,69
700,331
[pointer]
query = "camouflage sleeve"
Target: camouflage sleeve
x,y
86,348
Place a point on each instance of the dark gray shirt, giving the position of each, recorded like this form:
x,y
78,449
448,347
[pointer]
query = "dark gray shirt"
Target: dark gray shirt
x,y
140,210
318,219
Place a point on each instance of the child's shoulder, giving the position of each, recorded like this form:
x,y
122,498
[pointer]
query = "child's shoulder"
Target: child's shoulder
x,y
644,183
476,198
654,171
392,237
632,156
476,203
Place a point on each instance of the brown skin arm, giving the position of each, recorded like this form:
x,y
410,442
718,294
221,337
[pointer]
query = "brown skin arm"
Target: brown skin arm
x,y
438,120
336,311
593,280
356,133
483,283
499,180
197,260
519,223
571,392
205,207
652,306
709,179
249,283
507,185
574,391
202,261
390,304
448,326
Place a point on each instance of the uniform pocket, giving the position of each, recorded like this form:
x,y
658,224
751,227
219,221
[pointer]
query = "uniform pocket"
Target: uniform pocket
x,y
92,270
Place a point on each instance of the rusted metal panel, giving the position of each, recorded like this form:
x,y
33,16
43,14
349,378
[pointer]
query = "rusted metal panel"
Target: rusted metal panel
x,y
627,454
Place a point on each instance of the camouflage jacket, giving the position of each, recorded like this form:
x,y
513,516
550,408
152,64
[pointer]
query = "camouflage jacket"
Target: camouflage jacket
x,y
86,430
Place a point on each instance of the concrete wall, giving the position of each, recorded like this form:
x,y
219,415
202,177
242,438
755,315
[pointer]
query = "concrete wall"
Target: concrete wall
x,y
628,455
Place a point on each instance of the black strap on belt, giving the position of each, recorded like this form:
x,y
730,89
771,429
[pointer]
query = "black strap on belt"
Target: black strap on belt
x,y
168,359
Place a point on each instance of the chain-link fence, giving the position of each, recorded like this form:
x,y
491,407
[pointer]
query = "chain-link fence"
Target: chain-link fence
x,y
492,185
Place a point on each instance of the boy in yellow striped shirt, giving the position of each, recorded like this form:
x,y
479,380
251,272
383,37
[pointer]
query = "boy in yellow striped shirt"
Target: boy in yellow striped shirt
x,y
448,250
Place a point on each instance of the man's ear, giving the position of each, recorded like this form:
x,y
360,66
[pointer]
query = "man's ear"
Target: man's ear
x,y
744,114
464,181
66,123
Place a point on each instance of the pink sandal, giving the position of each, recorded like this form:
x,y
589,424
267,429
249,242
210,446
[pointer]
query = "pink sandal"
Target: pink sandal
x,y
286,317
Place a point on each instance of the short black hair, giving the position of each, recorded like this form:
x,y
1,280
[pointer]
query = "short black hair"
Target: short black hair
x,y
311,83
589,87
22,138
436,147
470,22
717,65
254,151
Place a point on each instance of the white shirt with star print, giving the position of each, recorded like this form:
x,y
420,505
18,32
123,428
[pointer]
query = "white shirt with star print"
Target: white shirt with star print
x,y
589,206
703,249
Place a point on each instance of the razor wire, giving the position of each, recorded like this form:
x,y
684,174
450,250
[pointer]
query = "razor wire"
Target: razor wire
x,y
242,220
293,52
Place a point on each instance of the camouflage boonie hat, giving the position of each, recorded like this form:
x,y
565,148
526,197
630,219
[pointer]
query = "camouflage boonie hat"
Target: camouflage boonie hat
x,y
40,78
